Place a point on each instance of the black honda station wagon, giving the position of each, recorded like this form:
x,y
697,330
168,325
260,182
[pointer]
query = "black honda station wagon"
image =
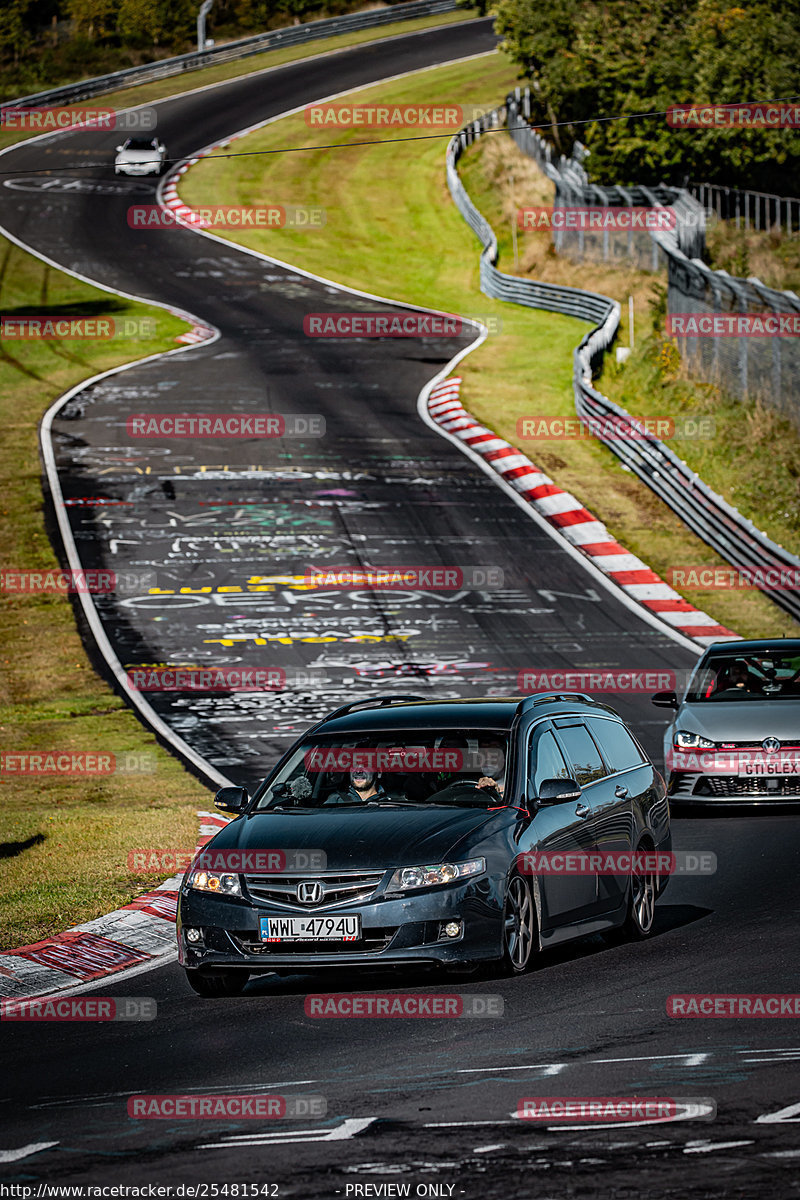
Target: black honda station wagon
x,y
404,832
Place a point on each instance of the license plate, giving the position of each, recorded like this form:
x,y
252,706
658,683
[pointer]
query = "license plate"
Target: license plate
x,y
778,768
332,928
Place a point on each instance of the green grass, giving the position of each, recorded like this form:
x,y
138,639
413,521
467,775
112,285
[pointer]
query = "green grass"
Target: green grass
x,y
384,197
65,840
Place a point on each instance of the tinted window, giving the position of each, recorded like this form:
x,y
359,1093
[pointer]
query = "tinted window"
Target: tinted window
x,y
582,753
546,762
619,748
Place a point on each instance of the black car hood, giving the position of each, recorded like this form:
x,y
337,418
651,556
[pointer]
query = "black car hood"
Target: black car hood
x,y
369,837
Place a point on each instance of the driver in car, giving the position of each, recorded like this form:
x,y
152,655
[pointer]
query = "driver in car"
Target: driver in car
x,y
364,785
740,678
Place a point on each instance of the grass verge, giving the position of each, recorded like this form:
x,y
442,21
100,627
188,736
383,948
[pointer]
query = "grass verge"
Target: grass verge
x,y
64,840
381,197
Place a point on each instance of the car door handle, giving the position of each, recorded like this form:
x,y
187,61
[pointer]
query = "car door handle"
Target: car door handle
x,y
621,791
582,810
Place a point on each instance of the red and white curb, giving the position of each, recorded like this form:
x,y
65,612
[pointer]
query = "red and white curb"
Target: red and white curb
x,y
574,522
142,932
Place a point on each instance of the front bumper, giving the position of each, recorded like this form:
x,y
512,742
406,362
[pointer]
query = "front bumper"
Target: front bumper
x,y
695,788
402,930
137,168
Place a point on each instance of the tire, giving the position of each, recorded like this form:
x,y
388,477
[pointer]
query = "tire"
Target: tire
x,y
638,923
217,983
520,927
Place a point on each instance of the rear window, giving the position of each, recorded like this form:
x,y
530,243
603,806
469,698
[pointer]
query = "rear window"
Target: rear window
x,y
582,752
619,749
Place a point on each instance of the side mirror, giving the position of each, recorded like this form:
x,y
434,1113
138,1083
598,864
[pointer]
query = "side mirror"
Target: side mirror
x,y
232,799
120,149
161,149
665,700
557,791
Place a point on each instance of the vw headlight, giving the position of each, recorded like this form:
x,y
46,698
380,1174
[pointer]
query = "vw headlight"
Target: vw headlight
x,y
215,881
691,741
406,878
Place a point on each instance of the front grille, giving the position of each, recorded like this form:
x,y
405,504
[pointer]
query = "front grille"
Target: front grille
x,y
372,941
755,746
737,785
338,887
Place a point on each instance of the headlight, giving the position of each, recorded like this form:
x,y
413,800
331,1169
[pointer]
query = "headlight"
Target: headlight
x,y
406,878
691,741
213,881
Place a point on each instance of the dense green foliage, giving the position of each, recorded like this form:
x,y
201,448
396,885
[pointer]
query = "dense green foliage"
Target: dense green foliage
x,y
44,43
592,59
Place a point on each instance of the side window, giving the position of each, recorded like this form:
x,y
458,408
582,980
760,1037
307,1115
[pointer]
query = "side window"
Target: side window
x,y
582,753
545,761
619,749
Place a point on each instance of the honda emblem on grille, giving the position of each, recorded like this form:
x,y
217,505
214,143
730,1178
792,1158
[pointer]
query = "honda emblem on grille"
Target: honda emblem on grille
x,y
771,745
310,891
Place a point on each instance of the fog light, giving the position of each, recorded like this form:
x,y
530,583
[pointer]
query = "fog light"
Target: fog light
x,y
452,929
193,935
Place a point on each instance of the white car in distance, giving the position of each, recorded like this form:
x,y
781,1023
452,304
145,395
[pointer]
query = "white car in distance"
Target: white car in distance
x,y
140,156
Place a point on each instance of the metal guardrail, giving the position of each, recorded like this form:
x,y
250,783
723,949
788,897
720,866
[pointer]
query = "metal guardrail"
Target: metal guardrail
x,y
707,514
767,367
294,35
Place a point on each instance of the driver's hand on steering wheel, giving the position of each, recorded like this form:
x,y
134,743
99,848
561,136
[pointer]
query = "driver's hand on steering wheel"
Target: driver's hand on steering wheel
x,y
486,781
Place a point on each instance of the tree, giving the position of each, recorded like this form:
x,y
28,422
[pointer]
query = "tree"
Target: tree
x,y
588,61
93,18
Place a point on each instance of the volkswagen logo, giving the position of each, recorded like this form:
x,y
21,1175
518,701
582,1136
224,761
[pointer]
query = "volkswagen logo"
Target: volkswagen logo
x,y
310,891
771,745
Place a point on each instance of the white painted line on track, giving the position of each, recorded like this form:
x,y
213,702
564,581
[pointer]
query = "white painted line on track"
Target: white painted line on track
x,y
7,1156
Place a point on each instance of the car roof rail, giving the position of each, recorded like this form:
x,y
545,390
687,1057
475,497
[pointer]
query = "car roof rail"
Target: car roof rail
x,y
372,702
550,697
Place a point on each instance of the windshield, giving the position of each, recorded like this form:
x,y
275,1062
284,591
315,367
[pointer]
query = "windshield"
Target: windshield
x,y
723,677
140,144
464,768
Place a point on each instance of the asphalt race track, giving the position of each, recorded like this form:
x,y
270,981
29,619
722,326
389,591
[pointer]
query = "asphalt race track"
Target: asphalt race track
x,y
408,1102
